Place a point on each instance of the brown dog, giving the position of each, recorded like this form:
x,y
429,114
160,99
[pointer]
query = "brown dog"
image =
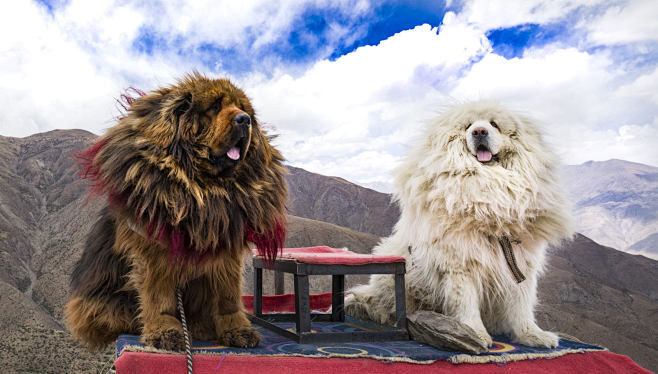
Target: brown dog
x,y
191,178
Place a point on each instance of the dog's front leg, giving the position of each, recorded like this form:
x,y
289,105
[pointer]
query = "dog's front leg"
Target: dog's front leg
x,y
156,287
519,313
462,301
231,323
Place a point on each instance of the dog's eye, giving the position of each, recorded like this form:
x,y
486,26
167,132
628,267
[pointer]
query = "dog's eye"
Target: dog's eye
x,y
494,124
216,106
469,125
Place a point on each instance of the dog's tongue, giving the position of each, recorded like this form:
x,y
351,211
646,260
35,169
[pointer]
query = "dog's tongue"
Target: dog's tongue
x,y
234,153
484,156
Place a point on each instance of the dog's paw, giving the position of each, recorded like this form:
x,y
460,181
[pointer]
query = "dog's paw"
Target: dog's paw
x,y
171,340
244,337
537,337
353,307
480,331
361,310
484,336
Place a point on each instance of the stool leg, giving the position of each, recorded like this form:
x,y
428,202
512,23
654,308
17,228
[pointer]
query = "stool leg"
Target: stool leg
x,y
337,297
400,302
302,305
279,284
258,292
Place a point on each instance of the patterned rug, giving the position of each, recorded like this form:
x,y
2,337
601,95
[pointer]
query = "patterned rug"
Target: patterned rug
x,y
272,344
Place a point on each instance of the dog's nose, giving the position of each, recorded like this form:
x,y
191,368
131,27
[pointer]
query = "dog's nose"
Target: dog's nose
x,y
479,133
242,120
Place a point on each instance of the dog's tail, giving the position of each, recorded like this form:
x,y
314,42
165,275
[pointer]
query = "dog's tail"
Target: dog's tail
x,y
100,308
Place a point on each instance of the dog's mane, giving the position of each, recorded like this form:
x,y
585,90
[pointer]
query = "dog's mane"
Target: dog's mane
x,y
164,195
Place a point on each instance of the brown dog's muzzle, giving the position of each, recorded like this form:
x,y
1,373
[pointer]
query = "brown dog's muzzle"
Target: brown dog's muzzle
x,y
240,135
224,160
242,122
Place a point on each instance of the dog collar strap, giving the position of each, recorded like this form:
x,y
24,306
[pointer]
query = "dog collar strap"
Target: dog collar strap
x,y
511,261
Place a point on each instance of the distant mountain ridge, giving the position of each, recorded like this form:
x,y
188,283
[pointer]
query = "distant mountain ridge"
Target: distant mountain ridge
x,y
647,246
616,203
595,293
335,200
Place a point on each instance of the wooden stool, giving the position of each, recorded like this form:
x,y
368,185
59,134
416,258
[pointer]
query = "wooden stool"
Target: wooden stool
x,y
302,262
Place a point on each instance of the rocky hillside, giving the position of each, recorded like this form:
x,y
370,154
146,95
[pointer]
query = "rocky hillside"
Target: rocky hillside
x,y
595,293
603,296
42,223
335,200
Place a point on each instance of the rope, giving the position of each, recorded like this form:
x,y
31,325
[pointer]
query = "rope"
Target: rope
x,y
188,347
179,298
511,260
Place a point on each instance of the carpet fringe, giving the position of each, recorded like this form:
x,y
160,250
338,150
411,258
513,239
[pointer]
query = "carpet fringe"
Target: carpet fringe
x,y
505,358
458,359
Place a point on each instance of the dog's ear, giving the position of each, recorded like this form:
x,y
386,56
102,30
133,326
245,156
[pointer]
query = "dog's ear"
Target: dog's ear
x,y
183,120
181,104
180,113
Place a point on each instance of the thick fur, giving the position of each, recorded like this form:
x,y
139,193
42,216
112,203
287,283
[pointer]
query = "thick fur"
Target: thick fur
x,y
453,210
181,213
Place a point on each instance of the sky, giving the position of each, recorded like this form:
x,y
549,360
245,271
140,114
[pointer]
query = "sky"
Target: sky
x,y
347,85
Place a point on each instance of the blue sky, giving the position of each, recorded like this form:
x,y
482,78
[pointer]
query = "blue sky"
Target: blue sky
x,y
346,84
311,36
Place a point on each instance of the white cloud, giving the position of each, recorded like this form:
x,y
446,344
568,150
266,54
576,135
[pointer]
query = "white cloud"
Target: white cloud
x,y
493,14
630,142
643,88
371,101
367,165
64,70
226,23
627,22
354,116
44,74
588,114
592,108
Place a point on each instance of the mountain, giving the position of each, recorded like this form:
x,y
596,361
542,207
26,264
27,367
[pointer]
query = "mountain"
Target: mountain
x,y
39,186
335,200
595,293
616,203
632,274
647,246
43,220
602,296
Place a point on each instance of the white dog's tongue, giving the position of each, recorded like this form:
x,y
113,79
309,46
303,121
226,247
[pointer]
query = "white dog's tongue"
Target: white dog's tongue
x,y
484,156
234,153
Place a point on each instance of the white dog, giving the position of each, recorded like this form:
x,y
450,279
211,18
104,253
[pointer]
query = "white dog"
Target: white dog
x,y
481,182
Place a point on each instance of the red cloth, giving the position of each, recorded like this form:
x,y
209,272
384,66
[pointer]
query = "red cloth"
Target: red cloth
x,y
333,256
151,363
286,303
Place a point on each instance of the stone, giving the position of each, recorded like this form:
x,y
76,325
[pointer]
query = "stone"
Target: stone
x,y
444,332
